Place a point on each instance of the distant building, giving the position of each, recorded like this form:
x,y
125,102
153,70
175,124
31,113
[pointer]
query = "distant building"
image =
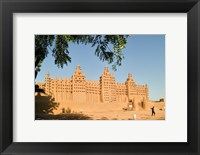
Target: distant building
x,y
162,100
41,85
80,90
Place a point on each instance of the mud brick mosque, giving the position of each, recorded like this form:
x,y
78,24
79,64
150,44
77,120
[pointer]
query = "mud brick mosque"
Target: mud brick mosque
x,y
80,90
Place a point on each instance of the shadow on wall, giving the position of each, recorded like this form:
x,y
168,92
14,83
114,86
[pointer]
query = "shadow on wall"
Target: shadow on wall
x,y
44,104
38,89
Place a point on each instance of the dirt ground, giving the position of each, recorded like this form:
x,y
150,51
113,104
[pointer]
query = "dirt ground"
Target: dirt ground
x,y
114,111
99,111
125,115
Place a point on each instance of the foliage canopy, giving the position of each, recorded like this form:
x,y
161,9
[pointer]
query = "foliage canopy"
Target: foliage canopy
x,y
58,45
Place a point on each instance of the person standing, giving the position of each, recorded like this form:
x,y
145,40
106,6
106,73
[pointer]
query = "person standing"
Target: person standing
x,y
153,111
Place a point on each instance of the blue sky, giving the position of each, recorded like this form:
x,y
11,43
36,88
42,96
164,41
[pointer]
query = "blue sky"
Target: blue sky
x,y
144,58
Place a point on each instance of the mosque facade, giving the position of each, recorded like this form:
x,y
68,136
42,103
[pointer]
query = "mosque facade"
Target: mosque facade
x,y
78,89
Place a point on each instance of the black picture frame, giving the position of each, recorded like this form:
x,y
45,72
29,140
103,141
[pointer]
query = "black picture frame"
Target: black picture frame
x,y
8,7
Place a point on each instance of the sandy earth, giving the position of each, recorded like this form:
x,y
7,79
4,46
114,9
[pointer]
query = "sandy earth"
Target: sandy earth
x,y
125,115
115,111
108,111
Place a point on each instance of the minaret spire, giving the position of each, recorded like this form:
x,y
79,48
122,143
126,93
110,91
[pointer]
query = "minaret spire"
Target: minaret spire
x,y
47,74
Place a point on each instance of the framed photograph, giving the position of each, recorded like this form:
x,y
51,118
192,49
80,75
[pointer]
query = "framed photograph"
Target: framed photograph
x,y
106,77
114,94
